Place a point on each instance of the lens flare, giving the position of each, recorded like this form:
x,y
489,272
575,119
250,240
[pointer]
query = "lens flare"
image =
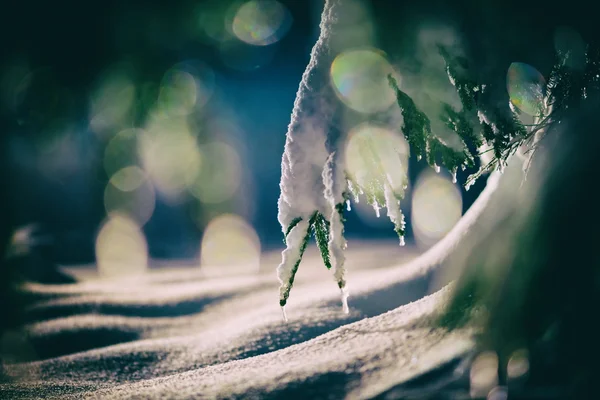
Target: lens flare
x,y
121,248
526,87
436,207
360,78
261,22
230,241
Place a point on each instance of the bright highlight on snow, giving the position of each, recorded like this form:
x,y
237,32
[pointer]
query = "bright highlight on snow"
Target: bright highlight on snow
x,y
261,22
526,88
360,78
436,207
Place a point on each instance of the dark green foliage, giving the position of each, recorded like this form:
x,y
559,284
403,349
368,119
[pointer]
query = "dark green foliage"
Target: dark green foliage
x,y
417,127
320,227
459,123
466,88
417,130
400,231
526,283
499,127
340,210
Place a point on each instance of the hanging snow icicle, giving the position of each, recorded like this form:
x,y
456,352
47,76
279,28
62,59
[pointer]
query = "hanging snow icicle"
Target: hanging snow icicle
x,y
316,183
303,208
335,193
394,213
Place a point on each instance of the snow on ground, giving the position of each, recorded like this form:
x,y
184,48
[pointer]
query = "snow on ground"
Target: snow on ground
x,y
189,332
182,333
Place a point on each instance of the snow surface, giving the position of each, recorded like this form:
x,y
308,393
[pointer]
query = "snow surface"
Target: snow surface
x,y
207,333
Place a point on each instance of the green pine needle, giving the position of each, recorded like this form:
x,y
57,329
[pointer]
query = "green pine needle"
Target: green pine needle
x,y
320,227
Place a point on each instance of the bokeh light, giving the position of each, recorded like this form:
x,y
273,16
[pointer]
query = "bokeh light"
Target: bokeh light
x,y
365,213
498,393
128,178
112,101
483,374
436,207
526,88
230,241
185,87
211,18
121,248
360,78
178,92
169,154
355,27
121,150
518,364
220,175
129,192
261,22
374,155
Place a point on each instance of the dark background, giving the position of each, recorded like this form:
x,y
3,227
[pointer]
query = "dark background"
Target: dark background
x,y
76,41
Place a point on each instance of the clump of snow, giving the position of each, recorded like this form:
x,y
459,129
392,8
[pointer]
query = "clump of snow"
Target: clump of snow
x,y
305,152
310,180
295,242
393,210
334,194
